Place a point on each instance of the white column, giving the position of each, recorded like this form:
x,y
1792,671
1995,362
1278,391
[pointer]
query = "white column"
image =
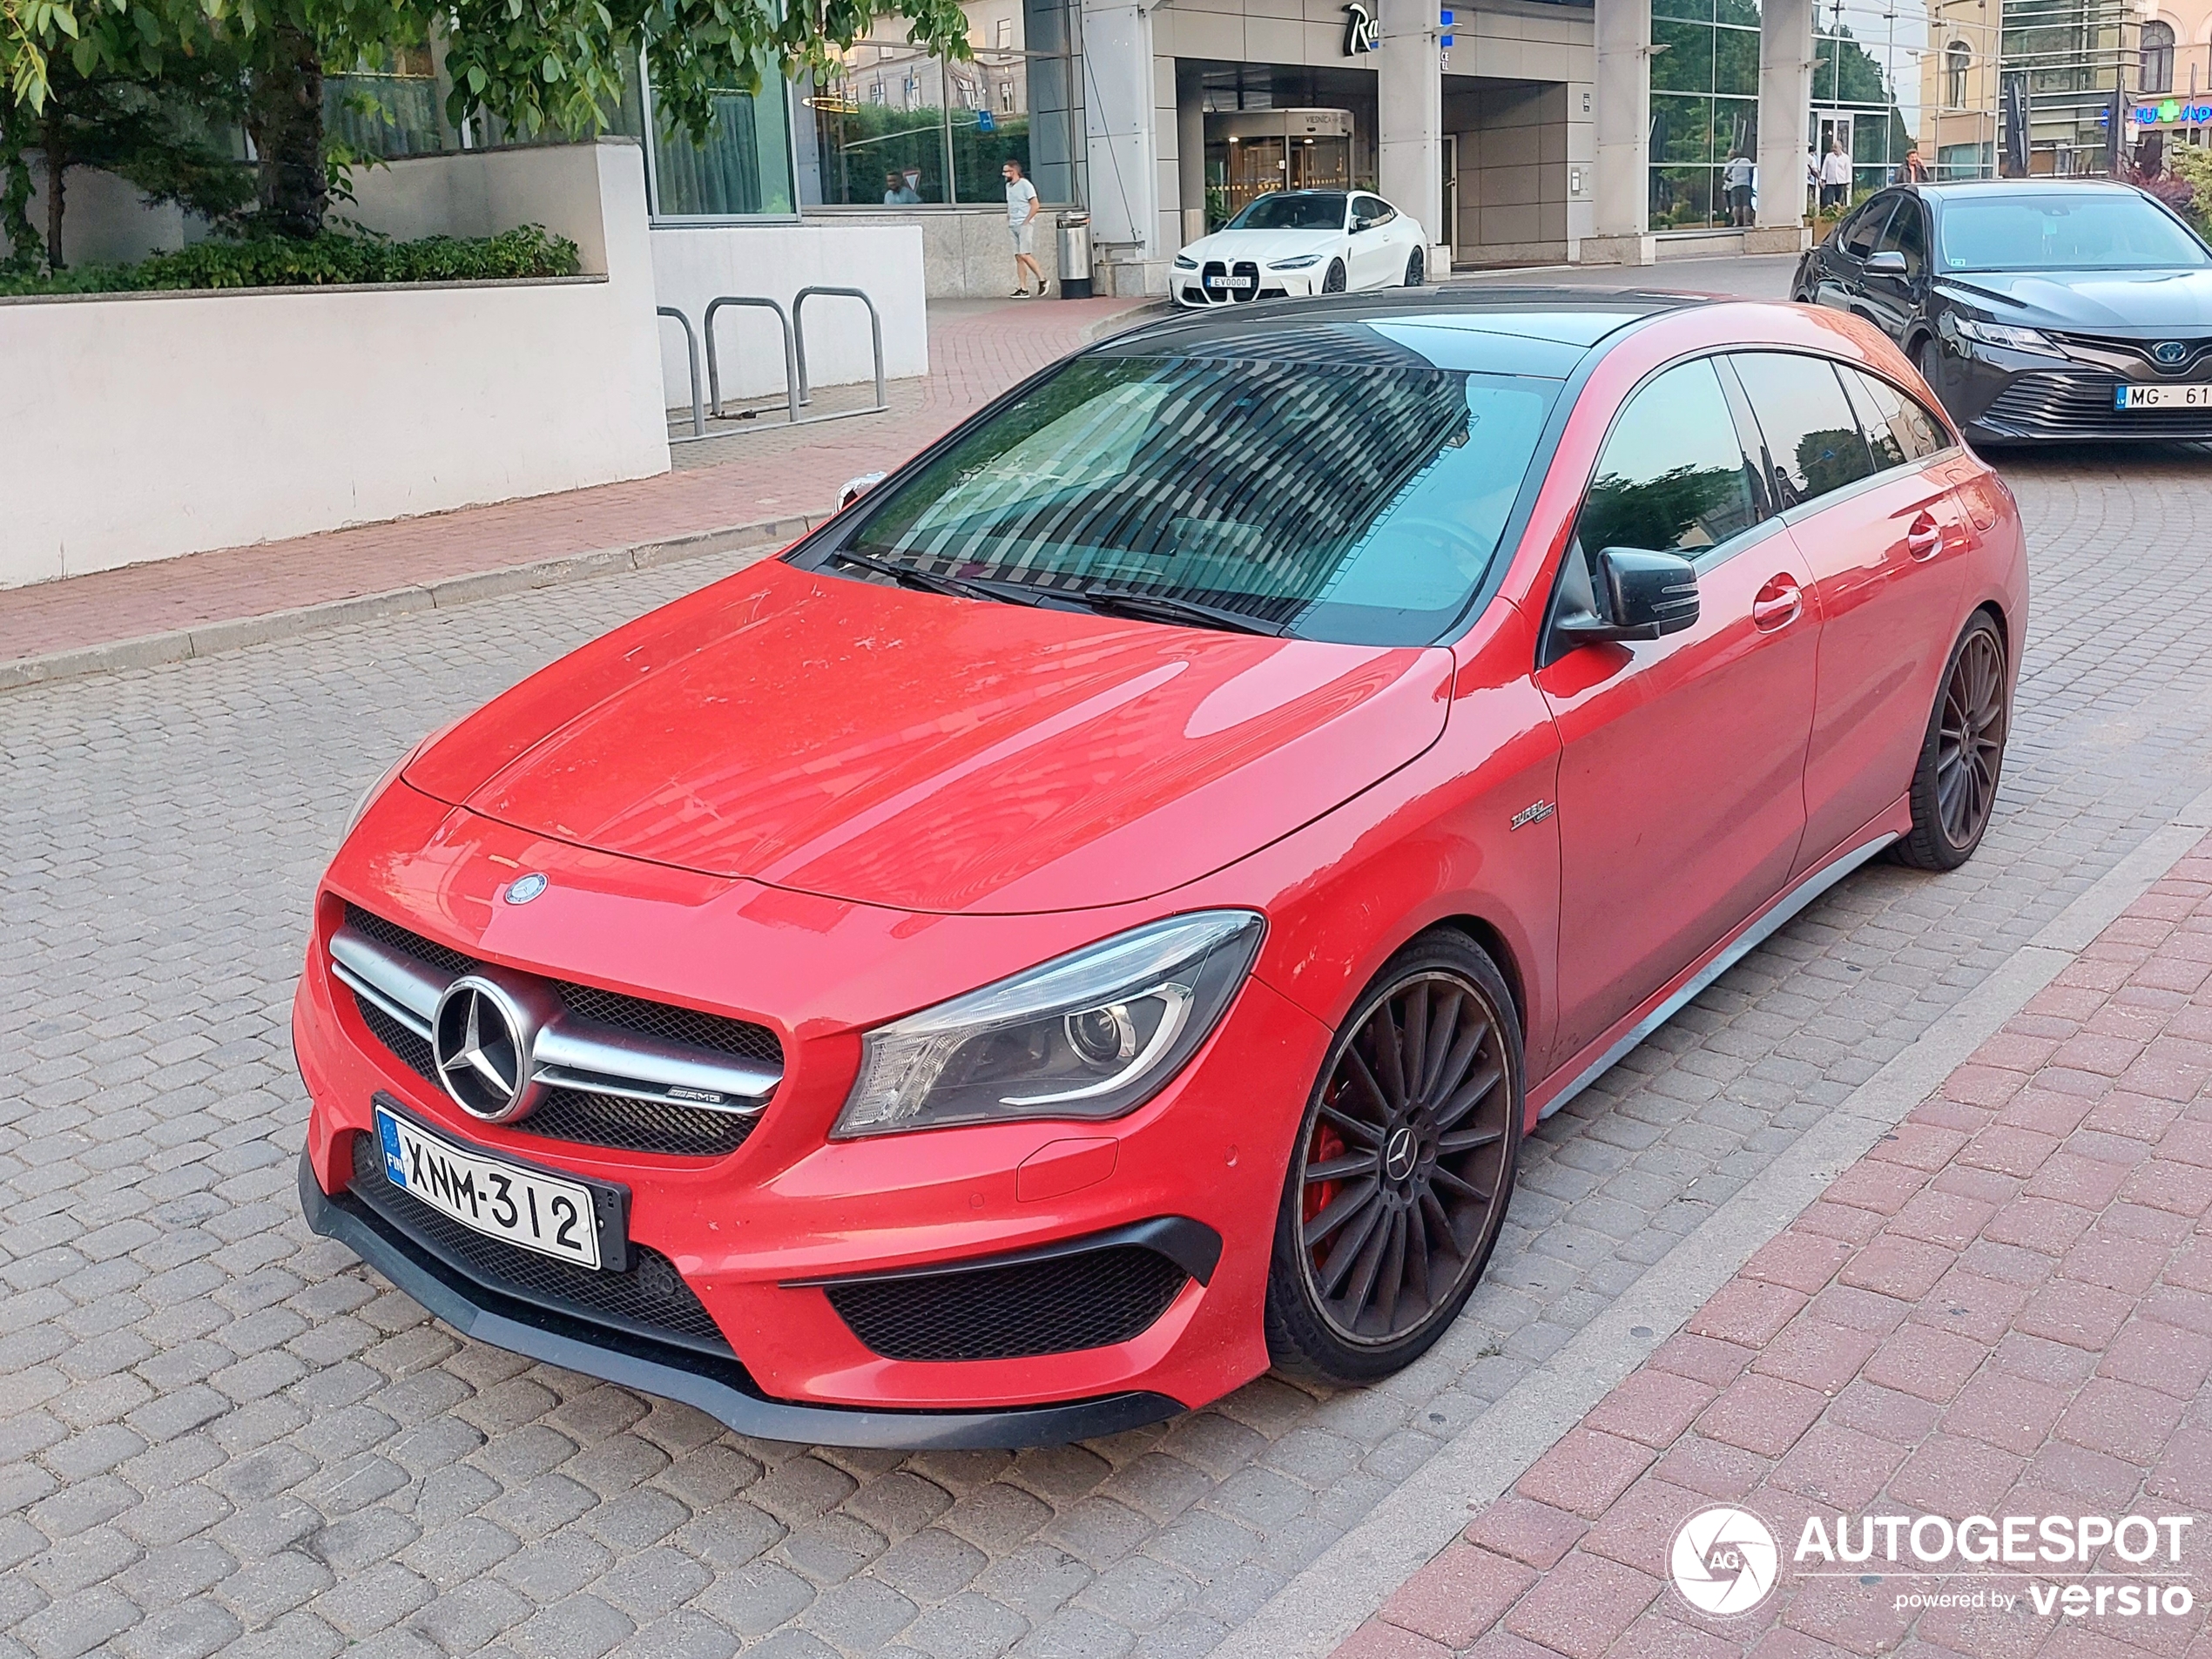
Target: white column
x,y
1123,160
1785,98
1190,150
1409,97
1622,189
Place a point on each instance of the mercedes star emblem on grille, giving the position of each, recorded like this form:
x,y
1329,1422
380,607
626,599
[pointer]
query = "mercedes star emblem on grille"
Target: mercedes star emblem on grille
x,y
525,889
482,1043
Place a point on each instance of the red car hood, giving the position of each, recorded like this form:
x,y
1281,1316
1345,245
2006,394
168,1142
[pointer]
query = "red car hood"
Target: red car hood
x,y
895,748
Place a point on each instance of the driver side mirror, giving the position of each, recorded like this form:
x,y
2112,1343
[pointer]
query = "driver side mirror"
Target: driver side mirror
x,y
1888,263
1638,595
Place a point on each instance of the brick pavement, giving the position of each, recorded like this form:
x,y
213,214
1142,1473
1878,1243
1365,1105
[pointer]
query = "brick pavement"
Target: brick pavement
x,y
976,352
2004,1309
217,1433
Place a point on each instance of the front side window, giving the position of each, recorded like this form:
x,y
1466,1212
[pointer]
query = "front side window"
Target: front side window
x,y
1672,476
1292,209
1860,235
1906,233
1371,211
1812,437
1359,500
2095,228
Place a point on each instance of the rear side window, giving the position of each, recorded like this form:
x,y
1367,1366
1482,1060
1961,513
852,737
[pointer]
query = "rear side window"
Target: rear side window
x,y
1899,431
1812,438
1672,476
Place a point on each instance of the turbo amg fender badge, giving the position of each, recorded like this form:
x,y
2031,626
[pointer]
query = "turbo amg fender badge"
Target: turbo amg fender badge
x,y
1536,813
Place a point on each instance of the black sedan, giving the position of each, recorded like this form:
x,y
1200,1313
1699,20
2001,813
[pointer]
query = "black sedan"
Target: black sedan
x,y
2036,307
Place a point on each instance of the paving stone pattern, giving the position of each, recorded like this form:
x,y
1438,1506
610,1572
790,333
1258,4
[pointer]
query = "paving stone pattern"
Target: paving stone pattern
x,y
217,1433
2004,1309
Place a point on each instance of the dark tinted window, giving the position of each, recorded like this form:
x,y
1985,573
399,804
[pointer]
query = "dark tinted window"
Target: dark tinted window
x,y
1897,429
1372,210
1812,437
1672,475
1353,501
1907,233
2095,228
1296,210
1857,239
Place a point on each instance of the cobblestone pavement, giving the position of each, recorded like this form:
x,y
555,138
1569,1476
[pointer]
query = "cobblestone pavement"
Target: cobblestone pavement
x,y
2004,1310
217,1433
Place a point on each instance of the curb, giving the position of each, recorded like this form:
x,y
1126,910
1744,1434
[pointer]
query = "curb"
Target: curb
x,y
182,644
1339,1590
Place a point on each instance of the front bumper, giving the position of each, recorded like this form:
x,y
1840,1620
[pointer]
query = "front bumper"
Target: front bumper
x,y
721,1388
1189,290
759,1234
2001,396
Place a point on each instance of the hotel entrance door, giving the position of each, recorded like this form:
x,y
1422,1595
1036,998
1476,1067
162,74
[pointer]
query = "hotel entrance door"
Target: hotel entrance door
x,y
1253,151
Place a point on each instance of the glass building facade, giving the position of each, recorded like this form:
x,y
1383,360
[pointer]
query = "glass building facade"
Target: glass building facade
x,y
1705,106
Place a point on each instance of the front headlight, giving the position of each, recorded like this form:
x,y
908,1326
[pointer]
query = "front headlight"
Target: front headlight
x,y
1185,262
1094,1034
1297,264
2009,335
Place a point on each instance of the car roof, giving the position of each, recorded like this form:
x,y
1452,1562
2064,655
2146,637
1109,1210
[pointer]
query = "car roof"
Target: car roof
x,y
1559,316
2016,186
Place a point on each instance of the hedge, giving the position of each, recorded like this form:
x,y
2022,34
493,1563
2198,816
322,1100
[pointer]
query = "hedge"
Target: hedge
x,y
332,257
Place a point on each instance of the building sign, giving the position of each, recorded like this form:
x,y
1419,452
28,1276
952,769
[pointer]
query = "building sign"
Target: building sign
x,y
1361,32
2171,112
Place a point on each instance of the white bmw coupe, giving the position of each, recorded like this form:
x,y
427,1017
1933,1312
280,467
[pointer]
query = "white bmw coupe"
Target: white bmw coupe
x,y
1301,241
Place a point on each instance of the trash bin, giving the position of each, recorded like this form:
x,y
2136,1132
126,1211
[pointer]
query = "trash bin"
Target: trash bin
x,y
1075,256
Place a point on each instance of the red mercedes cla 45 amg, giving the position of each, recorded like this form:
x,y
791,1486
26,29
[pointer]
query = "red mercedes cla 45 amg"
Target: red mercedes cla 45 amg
x,y
1095,919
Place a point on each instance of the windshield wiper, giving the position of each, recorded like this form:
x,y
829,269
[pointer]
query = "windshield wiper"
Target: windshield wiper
x,y
907,577
1159,607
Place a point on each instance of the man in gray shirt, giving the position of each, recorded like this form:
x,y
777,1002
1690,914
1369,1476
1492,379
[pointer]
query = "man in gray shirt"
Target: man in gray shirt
x,y
1022,221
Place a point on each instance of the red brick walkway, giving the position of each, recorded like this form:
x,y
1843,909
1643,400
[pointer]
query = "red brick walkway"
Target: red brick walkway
x,y
2006,1309
975,352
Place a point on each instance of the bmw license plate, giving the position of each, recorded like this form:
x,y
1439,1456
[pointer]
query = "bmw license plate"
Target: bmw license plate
x,y
1229,282
502,1200
2164,397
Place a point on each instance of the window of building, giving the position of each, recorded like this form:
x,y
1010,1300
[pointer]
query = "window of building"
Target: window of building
x,y
1958,58
949,128
742,168
2157,56
1705,106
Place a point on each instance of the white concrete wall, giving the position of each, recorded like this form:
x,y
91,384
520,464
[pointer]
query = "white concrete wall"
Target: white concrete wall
x,y
692,265
106,221
146,426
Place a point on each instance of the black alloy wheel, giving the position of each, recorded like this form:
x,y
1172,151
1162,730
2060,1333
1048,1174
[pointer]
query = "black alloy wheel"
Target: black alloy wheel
x,y
1403,1167
1332,281
1954,786
1416,268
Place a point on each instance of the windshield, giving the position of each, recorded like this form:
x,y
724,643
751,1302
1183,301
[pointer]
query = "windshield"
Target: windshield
x,y
1301,210
1360,501
2089,230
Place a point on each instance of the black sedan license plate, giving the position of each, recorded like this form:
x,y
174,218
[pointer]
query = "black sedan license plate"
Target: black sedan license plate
x,y
531,1208
2164,397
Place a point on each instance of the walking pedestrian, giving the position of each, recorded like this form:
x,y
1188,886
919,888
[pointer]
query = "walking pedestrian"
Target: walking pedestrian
x,y
1835,176
1022,221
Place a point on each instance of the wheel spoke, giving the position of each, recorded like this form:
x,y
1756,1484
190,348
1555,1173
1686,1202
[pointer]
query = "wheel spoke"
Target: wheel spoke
x,y
1340,1209
1349,1247
1466,1140
1439,1219
1364,1080
1462,1055
1390,1056
1444,1178
1413,1044
1470,1095
1442,1029
1416,1252
1393,1277
1360,1293
1352,1164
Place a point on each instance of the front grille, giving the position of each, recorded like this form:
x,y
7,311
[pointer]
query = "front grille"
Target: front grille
x,y
2108,348
2079,404
578,1116
650,1299
1059,1304
1246,269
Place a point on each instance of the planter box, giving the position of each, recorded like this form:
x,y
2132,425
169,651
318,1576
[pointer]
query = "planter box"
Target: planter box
x,y
146,426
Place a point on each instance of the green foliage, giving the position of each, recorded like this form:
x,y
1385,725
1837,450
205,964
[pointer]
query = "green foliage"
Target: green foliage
x,y
2191,164
274,262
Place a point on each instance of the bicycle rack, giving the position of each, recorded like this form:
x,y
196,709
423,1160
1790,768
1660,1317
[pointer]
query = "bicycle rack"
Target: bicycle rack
x,y
692,352
714,359
876,329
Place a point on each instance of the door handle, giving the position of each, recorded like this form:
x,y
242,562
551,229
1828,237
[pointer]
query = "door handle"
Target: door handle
x,y
1924,536
1777,605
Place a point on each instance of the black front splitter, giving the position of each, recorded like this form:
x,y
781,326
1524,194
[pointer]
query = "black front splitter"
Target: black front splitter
x,y
723,1389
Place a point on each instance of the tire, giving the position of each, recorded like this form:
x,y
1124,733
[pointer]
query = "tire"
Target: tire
x,y
1332,280
1416,268
1347,1301
1927,357
1954,785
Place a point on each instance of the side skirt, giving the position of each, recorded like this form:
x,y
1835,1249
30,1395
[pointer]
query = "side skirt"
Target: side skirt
x,y
1754,934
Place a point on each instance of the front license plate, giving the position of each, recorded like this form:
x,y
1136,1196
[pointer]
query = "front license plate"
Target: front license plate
x,y
500,1199
2165,397
1229,282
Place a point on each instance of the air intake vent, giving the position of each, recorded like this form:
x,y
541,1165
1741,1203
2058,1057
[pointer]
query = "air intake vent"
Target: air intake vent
x,y
1092,1298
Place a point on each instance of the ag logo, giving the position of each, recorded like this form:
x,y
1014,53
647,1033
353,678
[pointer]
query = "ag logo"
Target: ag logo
x,y
1723,1561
